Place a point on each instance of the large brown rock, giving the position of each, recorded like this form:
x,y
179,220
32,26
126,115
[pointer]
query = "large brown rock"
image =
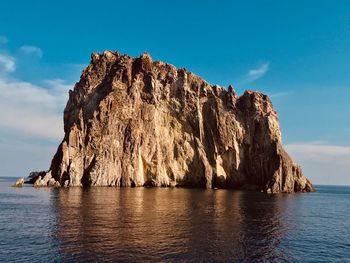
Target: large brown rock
x,y
137,122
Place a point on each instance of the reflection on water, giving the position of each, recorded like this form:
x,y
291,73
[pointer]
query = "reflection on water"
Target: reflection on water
x,y
140,224
167,225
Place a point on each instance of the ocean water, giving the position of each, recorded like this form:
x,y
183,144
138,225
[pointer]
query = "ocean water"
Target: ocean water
x,y
172,225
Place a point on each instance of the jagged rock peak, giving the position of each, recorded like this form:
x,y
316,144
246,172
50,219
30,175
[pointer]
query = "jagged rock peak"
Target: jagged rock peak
x,y
138,122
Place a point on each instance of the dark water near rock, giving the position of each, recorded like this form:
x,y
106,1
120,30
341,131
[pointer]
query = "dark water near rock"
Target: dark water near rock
x,y
140,224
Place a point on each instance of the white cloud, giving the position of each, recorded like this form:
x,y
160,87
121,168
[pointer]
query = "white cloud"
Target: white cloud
x,y
31,119
19,158
28,110
323,163
31,50
280,94
7,63
3,40
257,73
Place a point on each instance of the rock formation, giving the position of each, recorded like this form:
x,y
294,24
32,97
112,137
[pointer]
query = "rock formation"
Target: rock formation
x,y
137,122
19,182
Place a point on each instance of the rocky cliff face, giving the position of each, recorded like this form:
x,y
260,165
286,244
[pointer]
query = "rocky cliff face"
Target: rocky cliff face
x,y
137,122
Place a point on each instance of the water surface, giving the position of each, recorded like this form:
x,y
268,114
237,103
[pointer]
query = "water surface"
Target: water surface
x,y
164,224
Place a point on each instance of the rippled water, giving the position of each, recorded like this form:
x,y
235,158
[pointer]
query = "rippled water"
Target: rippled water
x,y
163,224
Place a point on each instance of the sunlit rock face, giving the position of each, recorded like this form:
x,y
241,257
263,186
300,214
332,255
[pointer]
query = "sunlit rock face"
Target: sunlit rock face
x,y
137,122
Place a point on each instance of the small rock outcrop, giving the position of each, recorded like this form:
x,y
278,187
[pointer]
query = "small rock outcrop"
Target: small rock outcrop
x,y
45,179
19,182
138,122
33,176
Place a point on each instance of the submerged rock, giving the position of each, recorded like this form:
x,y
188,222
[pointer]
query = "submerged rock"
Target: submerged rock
x,y
19,182
137,122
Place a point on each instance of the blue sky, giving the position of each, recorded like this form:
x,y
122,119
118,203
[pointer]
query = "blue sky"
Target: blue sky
x,y
298,52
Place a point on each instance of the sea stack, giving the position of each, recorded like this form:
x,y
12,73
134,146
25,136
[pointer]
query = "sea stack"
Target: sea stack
x,y
138,122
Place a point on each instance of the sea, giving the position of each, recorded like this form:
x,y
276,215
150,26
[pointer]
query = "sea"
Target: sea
x,y
105,224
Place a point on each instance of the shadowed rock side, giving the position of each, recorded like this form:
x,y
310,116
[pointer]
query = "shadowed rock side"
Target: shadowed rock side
x,y
137,122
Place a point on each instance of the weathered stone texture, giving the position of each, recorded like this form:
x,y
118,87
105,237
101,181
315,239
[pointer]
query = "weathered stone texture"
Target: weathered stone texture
x,y
137,122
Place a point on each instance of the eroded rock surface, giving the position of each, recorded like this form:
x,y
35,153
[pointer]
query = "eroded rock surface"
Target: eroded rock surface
x,y
137,122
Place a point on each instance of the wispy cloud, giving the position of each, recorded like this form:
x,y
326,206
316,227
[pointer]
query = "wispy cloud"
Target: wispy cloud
x,y
323,163
31,50
257,73
3,40
281,94
30,110
31,122
7,63
19,158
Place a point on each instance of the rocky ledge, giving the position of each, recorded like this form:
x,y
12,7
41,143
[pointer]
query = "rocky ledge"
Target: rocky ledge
x,y
137,122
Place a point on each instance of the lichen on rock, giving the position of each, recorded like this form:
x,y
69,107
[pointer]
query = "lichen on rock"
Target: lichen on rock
x,y
137,122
